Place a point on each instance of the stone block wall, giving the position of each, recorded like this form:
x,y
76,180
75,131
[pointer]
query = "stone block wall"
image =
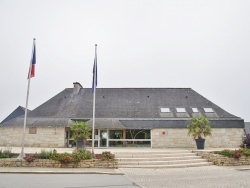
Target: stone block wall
x,y
46,163
178,138
44,137
173,138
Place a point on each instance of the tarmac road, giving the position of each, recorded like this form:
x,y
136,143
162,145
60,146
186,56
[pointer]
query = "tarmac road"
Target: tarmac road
x,y
65,181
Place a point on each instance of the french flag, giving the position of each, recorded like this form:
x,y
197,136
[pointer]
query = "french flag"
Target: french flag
x,y
33,62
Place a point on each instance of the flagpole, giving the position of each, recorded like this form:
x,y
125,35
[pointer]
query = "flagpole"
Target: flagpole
x,y
93,124
22,154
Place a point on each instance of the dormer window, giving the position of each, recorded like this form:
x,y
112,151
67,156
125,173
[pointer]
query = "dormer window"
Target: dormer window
x,y
208,110
165,110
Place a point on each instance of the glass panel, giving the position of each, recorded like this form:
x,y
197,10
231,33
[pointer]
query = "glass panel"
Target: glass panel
x,y
115,134
72,143
195,109
96,134
116,143
180,109
129,143
209,110
103,138
165,110
137,134
89,143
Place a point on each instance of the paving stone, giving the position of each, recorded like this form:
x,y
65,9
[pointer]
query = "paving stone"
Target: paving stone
x,y
195,177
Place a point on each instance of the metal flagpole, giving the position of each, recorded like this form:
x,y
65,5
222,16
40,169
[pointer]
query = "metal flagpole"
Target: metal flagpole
x,y
93,125
22,154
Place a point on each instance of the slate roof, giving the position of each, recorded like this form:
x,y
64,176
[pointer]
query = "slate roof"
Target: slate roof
x,y
124,107
247,127
17,112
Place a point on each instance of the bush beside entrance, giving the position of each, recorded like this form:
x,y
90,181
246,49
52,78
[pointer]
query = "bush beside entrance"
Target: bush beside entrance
x,y
227,157
80,158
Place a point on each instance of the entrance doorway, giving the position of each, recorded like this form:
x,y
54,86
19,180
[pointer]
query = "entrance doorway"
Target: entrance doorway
x,y
103,138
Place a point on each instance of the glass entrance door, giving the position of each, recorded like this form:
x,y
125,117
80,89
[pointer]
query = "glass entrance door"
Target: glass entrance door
x,y
103,138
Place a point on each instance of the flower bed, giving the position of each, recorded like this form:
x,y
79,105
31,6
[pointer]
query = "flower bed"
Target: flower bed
x,y
78,159
48,163
227,157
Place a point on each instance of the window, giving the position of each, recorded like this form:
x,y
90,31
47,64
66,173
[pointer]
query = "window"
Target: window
x,y
195,110
181,110
165,110
115,134
208,110
32,130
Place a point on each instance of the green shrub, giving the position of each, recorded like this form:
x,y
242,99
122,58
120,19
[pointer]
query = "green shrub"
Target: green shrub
x,y
6,153
246,142
77,157
56,156
47,154
226,153
81,150
234,154
245,152
106,155
66,158
88,155
81,154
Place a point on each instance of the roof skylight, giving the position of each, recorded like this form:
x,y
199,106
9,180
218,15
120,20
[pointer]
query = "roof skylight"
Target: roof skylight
x,y
195,110
164,110
208,110
180,109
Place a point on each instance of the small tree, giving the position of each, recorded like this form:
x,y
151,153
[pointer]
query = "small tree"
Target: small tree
x,y
246,141
80,131
199,126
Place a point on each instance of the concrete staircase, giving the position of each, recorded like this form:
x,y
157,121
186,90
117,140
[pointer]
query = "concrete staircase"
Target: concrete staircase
x,y
159,159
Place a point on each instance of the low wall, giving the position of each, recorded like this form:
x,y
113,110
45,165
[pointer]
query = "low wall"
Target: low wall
x,y
46,163
221,160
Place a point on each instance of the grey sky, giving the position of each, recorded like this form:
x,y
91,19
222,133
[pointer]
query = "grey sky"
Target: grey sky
x,y
200,44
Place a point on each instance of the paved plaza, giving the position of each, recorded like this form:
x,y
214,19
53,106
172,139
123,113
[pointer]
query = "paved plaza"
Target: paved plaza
x,y
194,177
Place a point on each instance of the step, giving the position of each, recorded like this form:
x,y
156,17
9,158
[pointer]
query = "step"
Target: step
x,y
152,152
161,162
168,166
157,158
138,155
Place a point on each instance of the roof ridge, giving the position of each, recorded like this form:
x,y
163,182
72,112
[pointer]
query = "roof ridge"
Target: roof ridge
x,y
138,88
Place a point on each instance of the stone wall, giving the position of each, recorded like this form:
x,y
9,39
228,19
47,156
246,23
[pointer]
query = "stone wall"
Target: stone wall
x,y
41,137
221,160
178,138
46,163
173,138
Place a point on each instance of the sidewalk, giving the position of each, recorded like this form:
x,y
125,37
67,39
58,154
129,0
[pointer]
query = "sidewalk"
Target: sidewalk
x,y
33,170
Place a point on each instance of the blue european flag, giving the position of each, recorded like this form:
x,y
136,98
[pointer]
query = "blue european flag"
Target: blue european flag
x,y
94,81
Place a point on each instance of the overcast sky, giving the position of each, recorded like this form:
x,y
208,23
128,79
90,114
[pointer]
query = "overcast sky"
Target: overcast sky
x,y
198,44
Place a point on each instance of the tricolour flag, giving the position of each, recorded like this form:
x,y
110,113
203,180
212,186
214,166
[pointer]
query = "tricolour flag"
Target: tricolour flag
x,y
33,62
94,81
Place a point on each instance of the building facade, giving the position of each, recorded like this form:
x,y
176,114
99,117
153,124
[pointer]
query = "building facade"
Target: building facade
x,y
125,117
